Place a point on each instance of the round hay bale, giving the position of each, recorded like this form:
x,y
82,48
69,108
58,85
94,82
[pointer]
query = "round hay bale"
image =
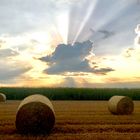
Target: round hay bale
x,y
120,105
2,97
35,115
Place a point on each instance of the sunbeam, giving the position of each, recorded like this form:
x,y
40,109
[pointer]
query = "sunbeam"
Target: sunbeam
x,y
90,10
117,7
63,25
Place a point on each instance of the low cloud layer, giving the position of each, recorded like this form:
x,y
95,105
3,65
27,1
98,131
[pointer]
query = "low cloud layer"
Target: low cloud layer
x,y
72,58
8,72
7,53
11,67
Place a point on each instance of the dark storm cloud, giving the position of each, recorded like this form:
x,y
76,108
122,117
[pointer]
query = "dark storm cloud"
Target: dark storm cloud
x,y
68,58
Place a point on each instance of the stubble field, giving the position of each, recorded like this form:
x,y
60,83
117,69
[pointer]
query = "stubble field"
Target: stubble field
x,y
77,120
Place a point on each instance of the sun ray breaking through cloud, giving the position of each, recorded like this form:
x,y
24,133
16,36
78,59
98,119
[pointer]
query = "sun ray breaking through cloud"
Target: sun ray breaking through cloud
x,y
117,7
63,25
90,10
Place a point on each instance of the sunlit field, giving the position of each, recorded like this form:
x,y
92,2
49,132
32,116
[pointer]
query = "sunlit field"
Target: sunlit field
x,y
80,120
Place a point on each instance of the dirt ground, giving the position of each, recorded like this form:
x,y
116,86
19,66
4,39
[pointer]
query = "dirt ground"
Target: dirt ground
x,y
77,120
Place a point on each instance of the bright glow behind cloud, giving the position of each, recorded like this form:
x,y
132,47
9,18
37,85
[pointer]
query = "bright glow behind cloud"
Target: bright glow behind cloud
x,y
63,25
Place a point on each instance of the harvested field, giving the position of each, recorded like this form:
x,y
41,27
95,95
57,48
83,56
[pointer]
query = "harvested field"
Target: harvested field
x,y
77,120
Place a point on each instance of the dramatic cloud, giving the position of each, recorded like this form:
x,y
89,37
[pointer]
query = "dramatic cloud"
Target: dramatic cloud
x,y
68,58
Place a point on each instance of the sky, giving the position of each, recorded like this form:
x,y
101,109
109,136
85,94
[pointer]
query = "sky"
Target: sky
x,y
70,43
